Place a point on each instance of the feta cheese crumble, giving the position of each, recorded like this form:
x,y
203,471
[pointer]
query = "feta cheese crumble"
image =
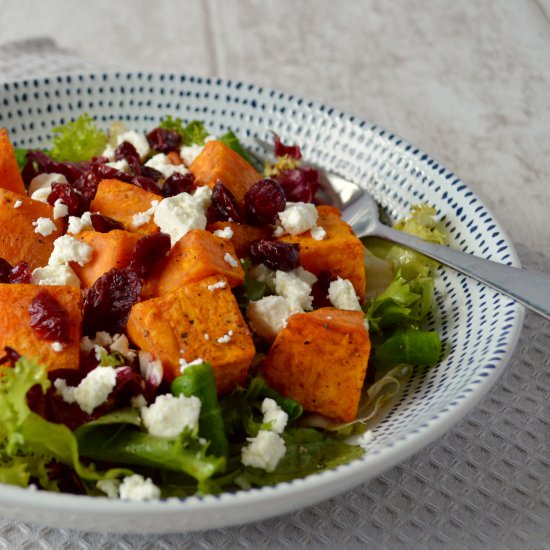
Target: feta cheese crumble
x,y
225,233
139,141
169,415
120,345
120,165
18,204
141,218
77,225
162,164
44,226
55,275
57,347
263,451
215,286
231,260
150,368
269,315
137,489
298,217
295,288
274,415
226,338
318,233
341,294
184,364
60,209
68,249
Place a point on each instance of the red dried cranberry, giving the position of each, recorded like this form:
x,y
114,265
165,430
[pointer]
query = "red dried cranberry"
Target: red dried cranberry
x,y
319,289
164,140
5,270
126,151
275,254
280,150
38,162
104,224
21,274
70,196
11,356
103,171
148,251
48,317
299,184
225,203
178,183
263,201
151,173
108,302
147,184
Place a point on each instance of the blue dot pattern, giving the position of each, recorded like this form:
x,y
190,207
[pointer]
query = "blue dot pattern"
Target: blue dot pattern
x,y
479,327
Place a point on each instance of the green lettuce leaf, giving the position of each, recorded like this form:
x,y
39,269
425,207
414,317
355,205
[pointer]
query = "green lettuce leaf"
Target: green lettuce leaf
x,y
231,140
413,346
251,290
20,157
78,140
193,133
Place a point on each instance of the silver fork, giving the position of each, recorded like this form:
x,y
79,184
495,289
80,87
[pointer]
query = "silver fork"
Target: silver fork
x,y
359,209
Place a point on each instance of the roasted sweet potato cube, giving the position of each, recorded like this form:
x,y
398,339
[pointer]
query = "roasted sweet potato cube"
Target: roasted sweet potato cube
x,y
16,332
121,201
320,360
18,240
200,320
340,252
10,177
218,162
110,250
198,254
243,235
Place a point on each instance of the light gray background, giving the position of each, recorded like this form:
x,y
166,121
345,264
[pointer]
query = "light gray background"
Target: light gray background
x,y
469,83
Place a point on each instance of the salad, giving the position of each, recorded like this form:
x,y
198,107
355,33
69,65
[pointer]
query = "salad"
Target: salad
x,y
180,320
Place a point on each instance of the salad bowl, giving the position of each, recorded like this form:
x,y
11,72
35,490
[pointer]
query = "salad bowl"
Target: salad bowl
x,y
479,327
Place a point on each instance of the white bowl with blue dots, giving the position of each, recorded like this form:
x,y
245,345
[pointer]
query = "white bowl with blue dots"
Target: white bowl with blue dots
x,y
478,326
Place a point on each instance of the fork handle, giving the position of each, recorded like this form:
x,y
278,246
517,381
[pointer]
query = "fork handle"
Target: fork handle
x,y
531,288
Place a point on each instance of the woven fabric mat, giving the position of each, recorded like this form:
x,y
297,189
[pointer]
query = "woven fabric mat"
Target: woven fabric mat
x,y
484,484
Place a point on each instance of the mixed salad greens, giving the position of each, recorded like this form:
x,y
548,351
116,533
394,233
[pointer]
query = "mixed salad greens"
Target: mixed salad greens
x,y
160,430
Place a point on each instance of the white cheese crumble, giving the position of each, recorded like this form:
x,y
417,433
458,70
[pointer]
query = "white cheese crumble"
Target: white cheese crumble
x,y
139,141
274,415
206,336
77,225
263,274
169,415
263,451
68,249
179,214
226,338
298,217
231,260
55,275
215,286
184,364
318,233
44,226
18,204
296,288
109,486
225,233
138,401
40,186
162,164
58,347
121,165
120,344
269,315
60,209
150,368
137,489
141,218
341,294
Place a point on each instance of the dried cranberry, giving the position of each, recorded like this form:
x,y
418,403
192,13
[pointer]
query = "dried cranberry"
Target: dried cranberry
x,y
263,201
275,254
225,203
126,151
299,184
148,251
164,140
319,289
5,270
108,302
49,318
21,274
178,183
146,183
70,196
104,224
281,150
103,171
11,356
38,162
151,173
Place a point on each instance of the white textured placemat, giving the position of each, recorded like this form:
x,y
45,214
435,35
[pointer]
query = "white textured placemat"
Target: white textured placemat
x,y
484,484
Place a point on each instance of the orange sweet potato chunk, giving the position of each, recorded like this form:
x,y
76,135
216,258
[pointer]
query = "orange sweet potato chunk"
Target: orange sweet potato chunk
x,y
109,250
218,162
188,323
18,241
197,255
320,360
120,201
340,252
16,332
243,235
10,177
